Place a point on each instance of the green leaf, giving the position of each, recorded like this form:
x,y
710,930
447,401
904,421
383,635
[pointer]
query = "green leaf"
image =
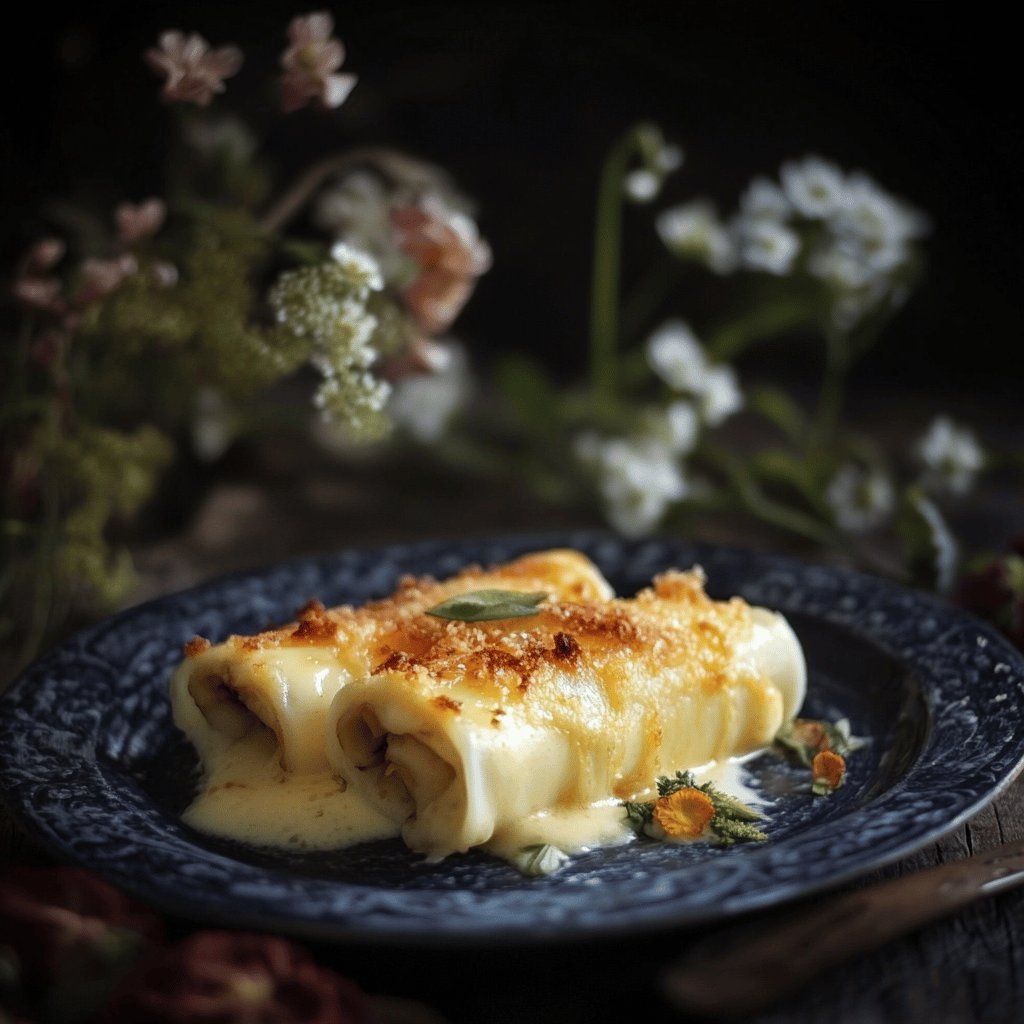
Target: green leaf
x,y
483,605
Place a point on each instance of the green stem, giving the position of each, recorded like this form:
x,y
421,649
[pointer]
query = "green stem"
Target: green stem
x,y
830,397
42,579
760,324
758,504
604,290
648,294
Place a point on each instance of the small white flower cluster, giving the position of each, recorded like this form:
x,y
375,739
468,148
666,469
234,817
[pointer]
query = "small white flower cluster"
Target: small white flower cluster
x,y
841,228
424,403
860,498
951,456
327,304
694,231
638,477
658,160
677,357
641,475
356,210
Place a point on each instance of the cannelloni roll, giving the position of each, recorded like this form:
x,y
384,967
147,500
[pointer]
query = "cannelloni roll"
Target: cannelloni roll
x,y
465,728
282,681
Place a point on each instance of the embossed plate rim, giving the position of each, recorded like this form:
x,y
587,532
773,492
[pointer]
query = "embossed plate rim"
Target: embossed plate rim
x,y
66,767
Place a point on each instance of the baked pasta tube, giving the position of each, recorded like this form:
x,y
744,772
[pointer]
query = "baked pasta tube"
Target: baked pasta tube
x,y
464,729
283,680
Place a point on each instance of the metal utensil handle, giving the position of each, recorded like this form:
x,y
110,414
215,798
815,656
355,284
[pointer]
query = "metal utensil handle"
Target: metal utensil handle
x,y
743,969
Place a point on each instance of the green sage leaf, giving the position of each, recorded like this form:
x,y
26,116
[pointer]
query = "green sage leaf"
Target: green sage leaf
x,y
483,605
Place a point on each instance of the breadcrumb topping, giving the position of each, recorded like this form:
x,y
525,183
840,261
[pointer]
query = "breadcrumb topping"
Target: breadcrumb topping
x,y
197,645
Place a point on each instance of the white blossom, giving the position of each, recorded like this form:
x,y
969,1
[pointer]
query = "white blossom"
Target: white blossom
x,y
694,230
212,427
840,265
641,185
676,425
815,187
720,394
361,265
871,215
860,498
668,158
677,357
767,245
221,136
425,403
638,479
764,199
951,455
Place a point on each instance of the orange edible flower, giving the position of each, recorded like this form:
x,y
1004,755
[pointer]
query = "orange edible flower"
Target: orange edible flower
x,y
829,767
685,813
810,733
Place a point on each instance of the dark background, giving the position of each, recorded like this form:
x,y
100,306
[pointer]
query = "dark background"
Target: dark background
x,y
520,101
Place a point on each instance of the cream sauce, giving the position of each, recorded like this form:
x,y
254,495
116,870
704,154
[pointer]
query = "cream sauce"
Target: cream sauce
x,y
247,796
573,830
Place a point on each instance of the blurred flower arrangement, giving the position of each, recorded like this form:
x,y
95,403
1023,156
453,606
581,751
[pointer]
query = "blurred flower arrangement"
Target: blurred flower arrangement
x,y
165,332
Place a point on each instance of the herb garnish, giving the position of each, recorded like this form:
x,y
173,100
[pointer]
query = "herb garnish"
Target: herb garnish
x,y
820,746
685,810
483,605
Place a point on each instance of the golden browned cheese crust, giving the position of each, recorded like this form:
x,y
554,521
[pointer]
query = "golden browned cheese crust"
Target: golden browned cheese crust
x,y
556,667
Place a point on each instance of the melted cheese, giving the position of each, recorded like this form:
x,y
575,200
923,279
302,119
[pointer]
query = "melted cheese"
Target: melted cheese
x,y
356,724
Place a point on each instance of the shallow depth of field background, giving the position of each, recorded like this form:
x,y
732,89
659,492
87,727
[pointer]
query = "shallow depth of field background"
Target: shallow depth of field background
x,y
520,101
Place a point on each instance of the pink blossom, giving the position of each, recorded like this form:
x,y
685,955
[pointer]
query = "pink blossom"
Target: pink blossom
x,y
98,278
450,254
310,62
43,256
40,293
138,221
164,273
32,286
194,73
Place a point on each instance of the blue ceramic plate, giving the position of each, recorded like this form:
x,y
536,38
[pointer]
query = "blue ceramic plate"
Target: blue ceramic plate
x,y
92,764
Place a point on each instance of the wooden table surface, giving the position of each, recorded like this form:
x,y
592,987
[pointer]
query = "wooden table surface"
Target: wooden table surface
x,y
966,968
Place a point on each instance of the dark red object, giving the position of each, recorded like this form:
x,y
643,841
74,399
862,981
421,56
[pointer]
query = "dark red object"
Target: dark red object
x,y
236,978
995,591
63,922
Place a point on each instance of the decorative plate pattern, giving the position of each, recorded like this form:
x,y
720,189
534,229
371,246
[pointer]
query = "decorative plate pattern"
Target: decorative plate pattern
x,y
91,763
